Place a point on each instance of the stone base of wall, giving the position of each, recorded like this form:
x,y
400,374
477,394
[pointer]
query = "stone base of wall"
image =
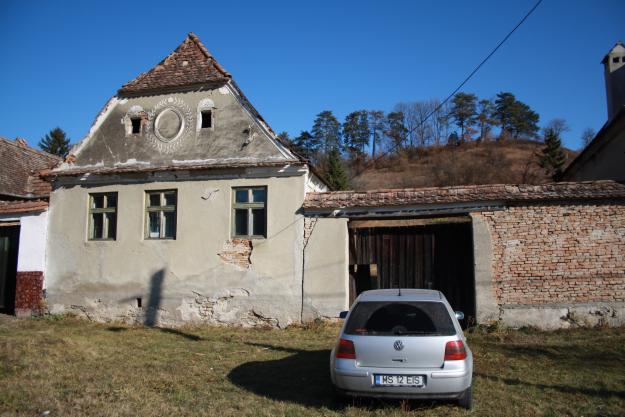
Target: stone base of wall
x,y
28,293
564,316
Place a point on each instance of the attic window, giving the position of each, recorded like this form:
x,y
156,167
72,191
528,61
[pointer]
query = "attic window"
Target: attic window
x,y
136,125
207,119
615,60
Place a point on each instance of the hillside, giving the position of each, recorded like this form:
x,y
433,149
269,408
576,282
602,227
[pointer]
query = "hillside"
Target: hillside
x,y
469,163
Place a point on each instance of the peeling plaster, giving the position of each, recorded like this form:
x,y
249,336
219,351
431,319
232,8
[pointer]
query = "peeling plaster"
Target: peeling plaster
x,y
237,252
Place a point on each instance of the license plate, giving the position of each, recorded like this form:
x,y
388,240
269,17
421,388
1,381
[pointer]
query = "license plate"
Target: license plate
x,y
399,380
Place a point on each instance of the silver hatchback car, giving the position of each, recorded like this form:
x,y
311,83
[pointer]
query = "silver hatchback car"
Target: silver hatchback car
x,y
403,344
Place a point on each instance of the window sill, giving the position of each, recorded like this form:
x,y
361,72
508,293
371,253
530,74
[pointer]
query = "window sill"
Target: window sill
x,y
245,237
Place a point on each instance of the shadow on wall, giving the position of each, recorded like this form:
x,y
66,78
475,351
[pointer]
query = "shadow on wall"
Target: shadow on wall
x,y
152,308
154,298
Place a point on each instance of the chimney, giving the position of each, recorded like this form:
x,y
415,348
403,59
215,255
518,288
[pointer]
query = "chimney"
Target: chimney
x,y
614,66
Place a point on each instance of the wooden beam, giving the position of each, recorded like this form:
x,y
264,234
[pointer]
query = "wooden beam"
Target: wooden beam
x,y
359,224
11,223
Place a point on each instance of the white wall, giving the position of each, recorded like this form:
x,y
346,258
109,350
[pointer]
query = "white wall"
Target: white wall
x,y
32,249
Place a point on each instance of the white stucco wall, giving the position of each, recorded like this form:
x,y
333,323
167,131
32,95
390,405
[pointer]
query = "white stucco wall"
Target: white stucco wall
x,y
185,278
326,281
32,247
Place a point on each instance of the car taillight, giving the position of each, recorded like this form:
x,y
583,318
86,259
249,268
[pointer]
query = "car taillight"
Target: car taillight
x,y
345,349
455,351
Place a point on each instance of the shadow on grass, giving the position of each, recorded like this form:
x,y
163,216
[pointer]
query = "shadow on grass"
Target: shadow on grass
x,y
188,336
598,392
304,378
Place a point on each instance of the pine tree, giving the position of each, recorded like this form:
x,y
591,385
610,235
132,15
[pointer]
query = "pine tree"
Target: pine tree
x,y
356,131
553,158
326,132
377,125
485,118
304,144
396,129
336,176
464,111
55,142
516,118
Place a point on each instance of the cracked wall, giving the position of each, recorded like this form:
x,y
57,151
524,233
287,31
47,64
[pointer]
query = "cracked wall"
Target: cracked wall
x,y
202,276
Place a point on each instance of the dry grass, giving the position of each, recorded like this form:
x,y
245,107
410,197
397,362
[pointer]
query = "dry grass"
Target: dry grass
x,y
512,162
71,367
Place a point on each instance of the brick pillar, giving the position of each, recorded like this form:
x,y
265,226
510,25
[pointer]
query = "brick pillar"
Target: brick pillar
x,y
28,293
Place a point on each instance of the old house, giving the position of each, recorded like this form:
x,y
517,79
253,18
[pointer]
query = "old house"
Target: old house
x,y
603,157
23,222
182,205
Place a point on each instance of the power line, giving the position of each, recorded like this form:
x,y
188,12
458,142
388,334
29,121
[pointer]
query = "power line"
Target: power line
x,y
476,69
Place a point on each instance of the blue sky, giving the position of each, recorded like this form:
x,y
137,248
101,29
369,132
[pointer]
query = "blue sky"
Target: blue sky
x,y
61,61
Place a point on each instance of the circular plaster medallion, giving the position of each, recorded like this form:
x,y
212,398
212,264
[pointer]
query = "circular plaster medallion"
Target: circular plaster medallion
x,y
168,124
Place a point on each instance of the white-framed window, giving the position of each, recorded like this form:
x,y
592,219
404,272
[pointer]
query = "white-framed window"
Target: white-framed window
x,y
205,115
103,216
160,216
249,212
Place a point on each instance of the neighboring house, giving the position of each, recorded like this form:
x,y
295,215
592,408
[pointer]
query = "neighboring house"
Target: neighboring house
x,y
182,205
603,157
23,221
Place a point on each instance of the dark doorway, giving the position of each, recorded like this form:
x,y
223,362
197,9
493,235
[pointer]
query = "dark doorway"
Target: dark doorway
x,y
432,256
9,243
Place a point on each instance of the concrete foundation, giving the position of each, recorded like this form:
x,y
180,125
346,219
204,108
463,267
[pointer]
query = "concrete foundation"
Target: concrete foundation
x,y
559,316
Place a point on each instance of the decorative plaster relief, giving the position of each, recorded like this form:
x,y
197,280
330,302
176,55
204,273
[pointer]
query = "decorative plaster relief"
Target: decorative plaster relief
x,y
169,124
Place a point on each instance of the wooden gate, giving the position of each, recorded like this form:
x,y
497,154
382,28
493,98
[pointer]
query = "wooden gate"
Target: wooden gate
x,y
403,256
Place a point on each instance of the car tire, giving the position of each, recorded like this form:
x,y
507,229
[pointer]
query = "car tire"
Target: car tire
x,y
466,399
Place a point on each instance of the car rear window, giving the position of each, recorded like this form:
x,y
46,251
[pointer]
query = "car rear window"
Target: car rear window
x,y
410,318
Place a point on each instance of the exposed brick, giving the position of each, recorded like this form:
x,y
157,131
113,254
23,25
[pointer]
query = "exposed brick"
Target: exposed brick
x,y
28,293
237,252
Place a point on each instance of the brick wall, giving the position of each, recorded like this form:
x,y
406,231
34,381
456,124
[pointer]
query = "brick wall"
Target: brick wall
x,y
28,293
551,253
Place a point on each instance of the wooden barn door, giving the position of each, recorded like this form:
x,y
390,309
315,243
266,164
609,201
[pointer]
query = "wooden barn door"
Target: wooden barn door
x,y
402,256
438,257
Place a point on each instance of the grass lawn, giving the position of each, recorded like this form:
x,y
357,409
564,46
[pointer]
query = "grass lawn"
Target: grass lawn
x,y
71,367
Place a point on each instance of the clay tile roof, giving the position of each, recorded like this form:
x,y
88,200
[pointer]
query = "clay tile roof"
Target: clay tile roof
x,y
19,170
466,194
190,64
21,206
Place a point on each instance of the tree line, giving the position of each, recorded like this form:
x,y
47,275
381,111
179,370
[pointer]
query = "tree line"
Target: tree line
x,y
371,134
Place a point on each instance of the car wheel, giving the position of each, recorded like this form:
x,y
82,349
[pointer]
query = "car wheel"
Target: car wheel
x,y
466,399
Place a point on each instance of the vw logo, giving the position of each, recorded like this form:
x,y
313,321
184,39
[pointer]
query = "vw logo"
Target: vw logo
x,y
398,345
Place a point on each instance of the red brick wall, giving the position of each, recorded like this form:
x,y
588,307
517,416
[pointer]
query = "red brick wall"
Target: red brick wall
x,y
28,293
558,253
